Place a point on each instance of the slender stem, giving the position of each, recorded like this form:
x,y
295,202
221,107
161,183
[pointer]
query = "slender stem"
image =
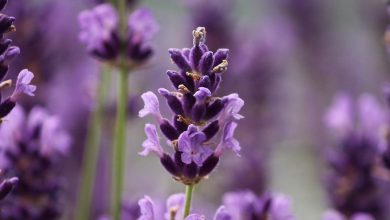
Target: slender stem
x,y
119,149
187,206
91,150
122,10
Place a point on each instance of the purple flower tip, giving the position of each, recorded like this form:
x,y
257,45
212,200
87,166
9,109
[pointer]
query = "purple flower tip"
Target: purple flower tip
x,y
152,143
97,26
23,84
202,94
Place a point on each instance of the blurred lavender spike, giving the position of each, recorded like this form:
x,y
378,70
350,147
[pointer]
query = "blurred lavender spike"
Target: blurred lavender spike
x,y
246,205
32,147
199,115
352,184
100,33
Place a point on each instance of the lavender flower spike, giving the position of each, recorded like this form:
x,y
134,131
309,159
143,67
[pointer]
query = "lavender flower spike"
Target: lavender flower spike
x,y
198,114
7,53
102,37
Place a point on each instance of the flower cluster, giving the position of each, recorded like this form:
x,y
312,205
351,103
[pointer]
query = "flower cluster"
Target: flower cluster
x,y
352,184
31,148
7,53
236,205
199,115
100,33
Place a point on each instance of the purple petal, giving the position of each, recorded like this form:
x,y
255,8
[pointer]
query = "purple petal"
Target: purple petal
x,y
202,94
222,214
147,208
371,114
23,84
228,141
233,104
142,22
190,143
281,208
339,115
152,143
151,106
175,202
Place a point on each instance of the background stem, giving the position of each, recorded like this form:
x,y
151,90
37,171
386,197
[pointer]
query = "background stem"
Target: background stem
x,y
92,146
119,149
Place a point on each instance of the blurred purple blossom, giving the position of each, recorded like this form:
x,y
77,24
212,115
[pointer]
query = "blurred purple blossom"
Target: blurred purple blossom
x,y
351,181
246,205
32,147
100,33
334,215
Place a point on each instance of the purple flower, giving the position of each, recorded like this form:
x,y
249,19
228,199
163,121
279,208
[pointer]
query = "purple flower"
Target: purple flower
x,y
233,105
142,24
7,53
31,150
228,141
246,205
147,208
152,144
190,144
152,106
351,181
198,112
339,115
100,32
23,84
222,214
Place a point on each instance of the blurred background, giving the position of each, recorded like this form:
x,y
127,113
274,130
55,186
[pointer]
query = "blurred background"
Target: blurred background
x,y
289,58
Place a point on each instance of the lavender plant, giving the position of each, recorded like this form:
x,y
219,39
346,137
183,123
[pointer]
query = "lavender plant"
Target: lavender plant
x,y
352,184
199,115
33,147
7,53
100,32
123,42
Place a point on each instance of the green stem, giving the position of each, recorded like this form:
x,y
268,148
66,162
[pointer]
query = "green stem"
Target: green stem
x,y
119,150
187,206
91,150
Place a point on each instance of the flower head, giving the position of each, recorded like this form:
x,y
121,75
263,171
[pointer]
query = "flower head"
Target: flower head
x,y
31,150
198,112
100,33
